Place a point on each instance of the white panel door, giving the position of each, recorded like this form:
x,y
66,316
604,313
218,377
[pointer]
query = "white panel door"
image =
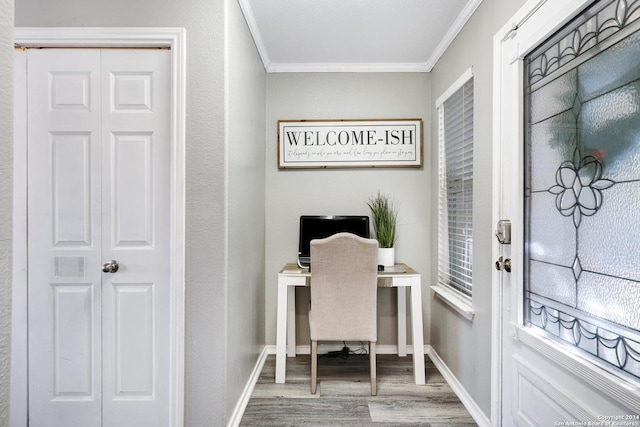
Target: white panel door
x,y
543,382
98,171
135,232
64,238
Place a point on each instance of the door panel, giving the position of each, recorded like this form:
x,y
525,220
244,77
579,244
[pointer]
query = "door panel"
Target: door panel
x,y
64,133
135,193
131,216
71,189
72,341
537,402
556,366
134,341
99,170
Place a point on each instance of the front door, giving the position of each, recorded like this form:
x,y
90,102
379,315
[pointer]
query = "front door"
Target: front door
x,y
568,156
98,237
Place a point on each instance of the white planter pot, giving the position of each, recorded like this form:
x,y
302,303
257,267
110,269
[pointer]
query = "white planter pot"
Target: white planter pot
x,y
386,256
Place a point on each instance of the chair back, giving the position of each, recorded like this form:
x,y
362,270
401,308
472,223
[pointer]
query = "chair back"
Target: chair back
x,y
344,275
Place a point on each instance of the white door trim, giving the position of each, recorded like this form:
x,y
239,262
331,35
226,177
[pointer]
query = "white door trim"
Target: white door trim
x,y
175,40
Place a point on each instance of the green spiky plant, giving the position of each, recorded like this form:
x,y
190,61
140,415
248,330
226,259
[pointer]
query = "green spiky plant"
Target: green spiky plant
x,y
385,215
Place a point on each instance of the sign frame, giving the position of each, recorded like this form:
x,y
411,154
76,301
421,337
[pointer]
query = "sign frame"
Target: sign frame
x,y
350,143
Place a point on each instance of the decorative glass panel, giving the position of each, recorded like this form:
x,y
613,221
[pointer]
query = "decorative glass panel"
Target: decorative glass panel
x,y
582,185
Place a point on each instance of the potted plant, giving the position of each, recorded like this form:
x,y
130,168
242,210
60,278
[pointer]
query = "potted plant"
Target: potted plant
x,y
385,214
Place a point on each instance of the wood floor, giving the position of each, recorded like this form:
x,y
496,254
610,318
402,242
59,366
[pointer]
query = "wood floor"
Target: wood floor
x,y
343,397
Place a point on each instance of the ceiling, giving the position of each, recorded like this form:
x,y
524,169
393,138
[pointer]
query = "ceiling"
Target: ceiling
x,y
354,35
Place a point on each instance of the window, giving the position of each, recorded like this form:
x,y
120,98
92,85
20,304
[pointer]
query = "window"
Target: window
x,y
455,179
582,186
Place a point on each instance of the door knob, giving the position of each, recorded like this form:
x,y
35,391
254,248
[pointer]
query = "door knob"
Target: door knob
x,y
111,266
504,264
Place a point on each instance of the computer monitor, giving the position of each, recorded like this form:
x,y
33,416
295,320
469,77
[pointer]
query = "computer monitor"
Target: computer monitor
x,y
321,226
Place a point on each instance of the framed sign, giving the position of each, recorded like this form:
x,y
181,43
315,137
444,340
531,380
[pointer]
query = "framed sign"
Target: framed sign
x,y
350,143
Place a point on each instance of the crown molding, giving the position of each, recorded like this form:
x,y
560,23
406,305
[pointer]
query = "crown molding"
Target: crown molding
x,y
457,26
255,32
346,67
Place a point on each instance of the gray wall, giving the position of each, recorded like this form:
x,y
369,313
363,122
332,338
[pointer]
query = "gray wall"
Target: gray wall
x,y
218,321
292,193
246,205
465,346
6,191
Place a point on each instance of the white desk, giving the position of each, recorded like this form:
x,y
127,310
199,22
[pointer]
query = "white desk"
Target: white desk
x,y
291,276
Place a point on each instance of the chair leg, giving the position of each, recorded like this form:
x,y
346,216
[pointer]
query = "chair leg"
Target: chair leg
x,y
314,365
372,367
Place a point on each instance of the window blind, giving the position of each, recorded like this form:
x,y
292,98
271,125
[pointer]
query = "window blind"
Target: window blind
x,y
455,247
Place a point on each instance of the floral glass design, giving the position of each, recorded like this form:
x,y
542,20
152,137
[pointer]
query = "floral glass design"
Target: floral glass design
x,y
579,187
582,185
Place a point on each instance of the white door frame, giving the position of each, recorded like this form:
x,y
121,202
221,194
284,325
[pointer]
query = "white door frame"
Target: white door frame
x,y
175,40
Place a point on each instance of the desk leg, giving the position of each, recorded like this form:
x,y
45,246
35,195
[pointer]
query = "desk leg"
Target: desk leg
x,y
402,321
291,321
281,331
416,327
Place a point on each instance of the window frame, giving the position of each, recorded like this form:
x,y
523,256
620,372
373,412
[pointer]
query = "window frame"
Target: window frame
x,y
459,295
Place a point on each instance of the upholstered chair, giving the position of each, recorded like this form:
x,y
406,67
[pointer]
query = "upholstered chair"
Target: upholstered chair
x,y
344,274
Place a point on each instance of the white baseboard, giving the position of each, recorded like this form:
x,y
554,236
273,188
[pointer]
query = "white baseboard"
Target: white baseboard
x,y
325,348
466,399
238,411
